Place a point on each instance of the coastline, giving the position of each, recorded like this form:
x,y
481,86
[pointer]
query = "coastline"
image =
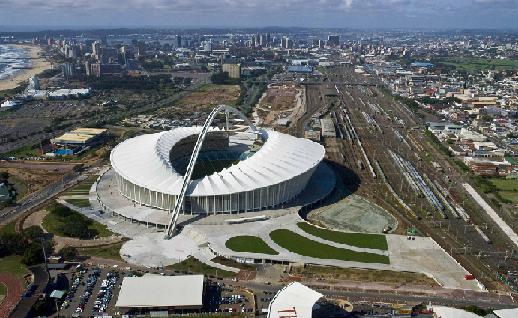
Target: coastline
x,y
39,64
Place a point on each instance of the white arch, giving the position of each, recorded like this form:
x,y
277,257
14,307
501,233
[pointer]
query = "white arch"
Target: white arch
x,y
194,156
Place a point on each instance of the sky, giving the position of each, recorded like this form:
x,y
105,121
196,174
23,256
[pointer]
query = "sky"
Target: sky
x,y
411,14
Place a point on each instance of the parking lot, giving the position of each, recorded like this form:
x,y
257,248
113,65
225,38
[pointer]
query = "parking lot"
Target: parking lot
x,y
93,291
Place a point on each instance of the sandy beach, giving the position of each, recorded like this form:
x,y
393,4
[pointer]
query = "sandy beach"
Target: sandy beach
x,y
39,64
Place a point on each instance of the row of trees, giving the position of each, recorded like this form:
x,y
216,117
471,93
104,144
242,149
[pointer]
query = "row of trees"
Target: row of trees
x,y
29,244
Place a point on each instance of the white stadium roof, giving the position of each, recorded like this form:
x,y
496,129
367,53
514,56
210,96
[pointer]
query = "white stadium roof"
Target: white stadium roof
x,y
161,291
144,160
294,300
506,313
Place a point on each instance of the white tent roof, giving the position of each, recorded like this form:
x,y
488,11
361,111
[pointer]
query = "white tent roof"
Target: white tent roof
x,y
161,291
294,300
144,161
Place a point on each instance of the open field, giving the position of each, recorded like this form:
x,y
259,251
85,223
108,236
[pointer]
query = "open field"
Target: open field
x,y
278,102
250,244
107,252
473,64
506,188
363,275
375,241
301,245
28,177
192,265
210,95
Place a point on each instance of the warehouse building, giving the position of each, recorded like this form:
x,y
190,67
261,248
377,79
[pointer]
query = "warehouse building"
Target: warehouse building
x,y
162,294
78,139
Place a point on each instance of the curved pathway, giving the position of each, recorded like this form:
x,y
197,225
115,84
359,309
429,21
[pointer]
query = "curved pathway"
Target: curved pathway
x,y
14,293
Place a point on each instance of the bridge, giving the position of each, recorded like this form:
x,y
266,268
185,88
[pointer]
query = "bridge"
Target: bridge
x,y
194,156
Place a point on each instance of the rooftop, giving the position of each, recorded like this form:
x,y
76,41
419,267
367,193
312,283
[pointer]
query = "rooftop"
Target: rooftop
x,y
161,291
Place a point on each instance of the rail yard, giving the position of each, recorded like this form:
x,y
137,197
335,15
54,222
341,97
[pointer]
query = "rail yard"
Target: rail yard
x,y
413,181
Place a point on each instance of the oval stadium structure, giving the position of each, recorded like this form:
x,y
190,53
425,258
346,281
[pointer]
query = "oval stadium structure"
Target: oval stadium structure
x,y
234,171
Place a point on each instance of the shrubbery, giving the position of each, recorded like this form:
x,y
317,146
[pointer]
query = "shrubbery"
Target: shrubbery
x,y
28,244
66,222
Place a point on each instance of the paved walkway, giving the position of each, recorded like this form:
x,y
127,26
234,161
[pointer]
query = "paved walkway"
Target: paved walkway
x,y
14,293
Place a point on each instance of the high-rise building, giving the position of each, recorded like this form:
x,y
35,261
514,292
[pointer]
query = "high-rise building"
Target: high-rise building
x,y
286,43
68,70
333,40
34,83
96,49
178,41
233,69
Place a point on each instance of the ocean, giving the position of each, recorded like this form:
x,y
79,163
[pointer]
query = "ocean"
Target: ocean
x,y
12,60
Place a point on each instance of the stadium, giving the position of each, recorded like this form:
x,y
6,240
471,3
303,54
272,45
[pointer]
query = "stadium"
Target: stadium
x,y
215,170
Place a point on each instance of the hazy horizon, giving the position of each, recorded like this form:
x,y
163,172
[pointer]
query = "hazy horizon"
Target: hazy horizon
x,y
354,14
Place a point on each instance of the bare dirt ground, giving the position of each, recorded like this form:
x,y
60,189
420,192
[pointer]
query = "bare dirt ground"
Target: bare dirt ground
x,y
36,175
201,100
211,95
278,102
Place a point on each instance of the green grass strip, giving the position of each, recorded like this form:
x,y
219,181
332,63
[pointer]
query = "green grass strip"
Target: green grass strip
x,y
301,245
375,241
250,244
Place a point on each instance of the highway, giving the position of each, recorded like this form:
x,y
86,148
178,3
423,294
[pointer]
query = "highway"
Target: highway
x,y
37,198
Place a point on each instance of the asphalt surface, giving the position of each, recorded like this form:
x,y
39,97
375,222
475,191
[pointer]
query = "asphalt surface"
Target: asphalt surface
x,y
34,199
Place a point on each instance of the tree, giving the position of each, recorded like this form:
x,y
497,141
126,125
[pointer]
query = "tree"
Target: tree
x,y
12,243
4,176
33,254
69,253
33,233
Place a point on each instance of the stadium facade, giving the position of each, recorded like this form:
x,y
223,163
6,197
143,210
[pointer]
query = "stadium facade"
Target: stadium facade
x,y
235,171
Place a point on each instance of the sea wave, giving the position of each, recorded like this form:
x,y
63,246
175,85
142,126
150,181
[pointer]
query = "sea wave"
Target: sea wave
x,y
13,59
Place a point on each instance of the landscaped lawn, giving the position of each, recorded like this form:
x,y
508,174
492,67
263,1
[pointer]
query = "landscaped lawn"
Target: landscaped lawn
x,y
13,264
82,187
107,252
9,228
375,241
301,245
250,244
55,223
80,203
192,265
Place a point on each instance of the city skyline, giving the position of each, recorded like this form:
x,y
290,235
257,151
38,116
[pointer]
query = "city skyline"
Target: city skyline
x,y
409,14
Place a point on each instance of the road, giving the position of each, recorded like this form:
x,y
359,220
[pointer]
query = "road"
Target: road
x,y
35,199
453,298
